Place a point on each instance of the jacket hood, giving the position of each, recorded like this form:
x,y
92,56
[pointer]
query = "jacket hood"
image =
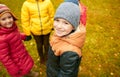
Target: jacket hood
x,y
77,39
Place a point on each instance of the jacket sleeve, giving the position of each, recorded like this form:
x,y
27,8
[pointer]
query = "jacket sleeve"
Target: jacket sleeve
x,y
6,59
69,64
83,17
25,19
23,36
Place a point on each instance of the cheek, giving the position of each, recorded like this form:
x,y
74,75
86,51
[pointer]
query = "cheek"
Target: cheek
x,y
1,23
68,28
12,19
55,24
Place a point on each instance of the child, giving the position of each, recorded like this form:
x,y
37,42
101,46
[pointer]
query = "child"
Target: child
x,y
64,55
83,16
13,54
37,20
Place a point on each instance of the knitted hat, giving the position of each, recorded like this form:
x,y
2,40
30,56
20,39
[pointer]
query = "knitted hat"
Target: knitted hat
x,y
4,9
70,12
74,1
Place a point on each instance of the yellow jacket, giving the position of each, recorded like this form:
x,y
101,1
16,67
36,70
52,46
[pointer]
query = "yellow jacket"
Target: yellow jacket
x,y
37,17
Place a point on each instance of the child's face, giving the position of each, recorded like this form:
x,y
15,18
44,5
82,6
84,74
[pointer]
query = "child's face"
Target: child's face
x,y
6,20
62,27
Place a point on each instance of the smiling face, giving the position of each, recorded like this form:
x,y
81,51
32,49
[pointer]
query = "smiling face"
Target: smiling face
x,y
6,20
62,27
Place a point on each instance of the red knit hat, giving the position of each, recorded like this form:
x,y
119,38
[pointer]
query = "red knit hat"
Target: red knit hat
x,y
4,9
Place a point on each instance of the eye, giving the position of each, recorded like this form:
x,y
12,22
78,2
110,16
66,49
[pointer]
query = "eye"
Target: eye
x,y
57,20
10,17
66,23
3,19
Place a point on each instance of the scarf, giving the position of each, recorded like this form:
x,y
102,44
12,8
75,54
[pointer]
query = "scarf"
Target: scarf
x,y
73,42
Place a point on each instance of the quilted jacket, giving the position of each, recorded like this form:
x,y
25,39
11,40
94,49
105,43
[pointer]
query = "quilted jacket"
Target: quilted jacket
x,y
37,17
83,16
66,65
64,55
13,54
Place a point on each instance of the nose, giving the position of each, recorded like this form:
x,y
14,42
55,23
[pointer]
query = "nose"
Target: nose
x,y
8,20
59,25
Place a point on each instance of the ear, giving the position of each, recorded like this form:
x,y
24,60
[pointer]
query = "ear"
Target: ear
x,y
73,28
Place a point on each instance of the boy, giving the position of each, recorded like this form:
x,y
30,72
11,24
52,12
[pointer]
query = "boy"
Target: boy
x,y
64,55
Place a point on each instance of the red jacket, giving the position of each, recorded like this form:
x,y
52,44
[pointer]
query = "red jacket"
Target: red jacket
x,y
13,54
83,16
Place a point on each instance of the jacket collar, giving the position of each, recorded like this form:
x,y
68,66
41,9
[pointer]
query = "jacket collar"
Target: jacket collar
x,y
7,30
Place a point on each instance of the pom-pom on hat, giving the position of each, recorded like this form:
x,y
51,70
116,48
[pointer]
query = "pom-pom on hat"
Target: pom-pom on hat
x,y
73,1
70,12
4,9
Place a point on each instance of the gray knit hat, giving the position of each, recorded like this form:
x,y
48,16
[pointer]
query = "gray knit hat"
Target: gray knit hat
x,y
74,1
70,12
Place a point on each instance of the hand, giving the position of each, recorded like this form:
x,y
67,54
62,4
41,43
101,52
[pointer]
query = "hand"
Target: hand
x,y
81,28
28,38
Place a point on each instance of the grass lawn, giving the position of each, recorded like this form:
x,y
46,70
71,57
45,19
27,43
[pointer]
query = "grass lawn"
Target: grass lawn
x,y
101,52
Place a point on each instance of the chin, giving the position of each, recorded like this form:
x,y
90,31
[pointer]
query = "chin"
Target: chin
x,y
8,26
60,35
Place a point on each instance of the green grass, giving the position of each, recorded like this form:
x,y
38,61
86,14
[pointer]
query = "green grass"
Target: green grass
x,y
101,52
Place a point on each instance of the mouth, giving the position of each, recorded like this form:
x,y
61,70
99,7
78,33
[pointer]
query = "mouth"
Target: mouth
x,y
59,31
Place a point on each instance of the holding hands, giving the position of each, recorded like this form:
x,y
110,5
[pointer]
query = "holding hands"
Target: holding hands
x,y
28,38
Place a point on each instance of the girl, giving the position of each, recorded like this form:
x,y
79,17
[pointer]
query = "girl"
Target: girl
x,y
13,54
64,55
